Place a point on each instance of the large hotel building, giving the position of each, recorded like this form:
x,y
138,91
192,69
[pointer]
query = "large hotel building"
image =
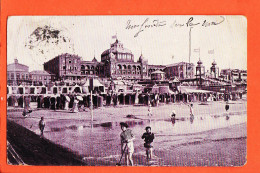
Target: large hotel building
x,y
116,62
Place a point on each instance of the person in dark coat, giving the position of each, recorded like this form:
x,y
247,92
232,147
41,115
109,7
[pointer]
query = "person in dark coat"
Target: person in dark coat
x,y
148,137
41,125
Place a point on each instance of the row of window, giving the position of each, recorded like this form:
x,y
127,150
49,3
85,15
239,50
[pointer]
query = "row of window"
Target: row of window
x,y
26,76
69,61
69,68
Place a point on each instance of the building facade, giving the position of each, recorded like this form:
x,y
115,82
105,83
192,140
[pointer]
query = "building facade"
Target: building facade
x,y
65,66
92,68
119,62
39,77
181,70
214,70
17,74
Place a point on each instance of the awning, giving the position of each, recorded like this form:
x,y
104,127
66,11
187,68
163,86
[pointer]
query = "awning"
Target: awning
x,y
188,90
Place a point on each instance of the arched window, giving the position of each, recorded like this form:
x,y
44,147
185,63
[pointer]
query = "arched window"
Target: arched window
x,y
134,70
82,67
124,69
119,69
129,69
138,70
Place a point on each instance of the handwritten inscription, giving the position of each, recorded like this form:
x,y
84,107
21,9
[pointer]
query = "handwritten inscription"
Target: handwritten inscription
x,y
145,25
191,22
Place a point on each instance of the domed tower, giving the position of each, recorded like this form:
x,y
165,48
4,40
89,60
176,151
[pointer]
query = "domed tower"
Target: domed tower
x,y
144,66
116,60
200,71
120,53
214,70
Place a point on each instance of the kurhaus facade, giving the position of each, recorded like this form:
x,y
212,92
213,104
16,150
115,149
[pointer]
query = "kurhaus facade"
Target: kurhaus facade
x,y
116,62
119,63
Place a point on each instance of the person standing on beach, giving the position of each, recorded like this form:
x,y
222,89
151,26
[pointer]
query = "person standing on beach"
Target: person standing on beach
x,y
191,110
41,125
150,110
148,137
227,108
127,145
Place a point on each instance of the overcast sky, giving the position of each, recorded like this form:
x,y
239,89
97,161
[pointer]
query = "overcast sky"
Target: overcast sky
x,y
162,40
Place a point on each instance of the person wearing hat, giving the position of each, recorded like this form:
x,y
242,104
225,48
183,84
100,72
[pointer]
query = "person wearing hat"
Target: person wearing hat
x,y
127,145
148,137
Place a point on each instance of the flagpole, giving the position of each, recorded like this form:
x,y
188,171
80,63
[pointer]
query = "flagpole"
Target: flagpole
x,y
190,44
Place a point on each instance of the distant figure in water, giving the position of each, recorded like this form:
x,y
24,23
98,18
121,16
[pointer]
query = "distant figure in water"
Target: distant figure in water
x,y
41,125
150,110
173,114
227,108
148,137
191,109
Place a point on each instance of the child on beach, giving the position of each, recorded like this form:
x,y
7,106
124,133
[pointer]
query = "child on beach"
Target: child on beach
x,y
148,137
41,125
150,110
127,145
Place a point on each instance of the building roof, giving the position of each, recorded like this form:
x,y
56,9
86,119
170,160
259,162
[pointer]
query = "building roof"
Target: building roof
x,y
117,46
40,72
94,59
17,67
157,71
179,63
142,58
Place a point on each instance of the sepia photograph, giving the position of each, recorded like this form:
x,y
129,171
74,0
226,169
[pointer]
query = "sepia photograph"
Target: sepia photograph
x,y
127,90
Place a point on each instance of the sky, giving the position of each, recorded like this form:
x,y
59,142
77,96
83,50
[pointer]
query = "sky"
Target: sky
x,y
163,40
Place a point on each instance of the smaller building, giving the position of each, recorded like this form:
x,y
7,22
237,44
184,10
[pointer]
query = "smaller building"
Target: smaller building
x,y
158,75
181,70
39,77
243,75
17,74
225,74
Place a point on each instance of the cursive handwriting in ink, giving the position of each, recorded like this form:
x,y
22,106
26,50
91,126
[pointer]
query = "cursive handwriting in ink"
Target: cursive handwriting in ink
x,y
130,26
145,25
190,22
206,23
175,24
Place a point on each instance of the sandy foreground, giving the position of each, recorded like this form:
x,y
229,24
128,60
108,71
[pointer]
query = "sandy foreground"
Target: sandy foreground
x,y
210,139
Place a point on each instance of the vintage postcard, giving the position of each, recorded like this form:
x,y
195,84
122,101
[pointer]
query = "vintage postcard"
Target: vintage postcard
x,y
142,90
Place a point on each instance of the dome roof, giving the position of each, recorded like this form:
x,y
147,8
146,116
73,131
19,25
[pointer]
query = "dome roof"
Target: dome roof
x,y
118,47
